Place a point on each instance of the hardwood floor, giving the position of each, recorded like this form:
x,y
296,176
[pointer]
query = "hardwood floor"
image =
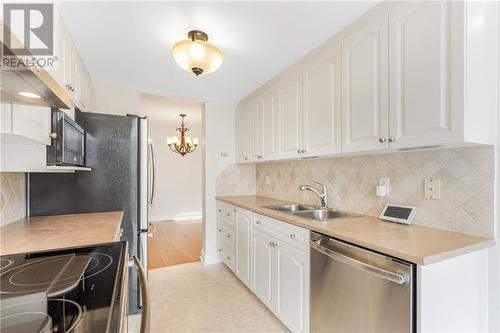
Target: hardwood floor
x,y
174,243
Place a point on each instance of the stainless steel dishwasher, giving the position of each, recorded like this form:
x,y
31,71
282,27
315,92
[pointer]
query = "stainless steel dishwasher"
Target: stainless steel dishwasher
x,y
357,290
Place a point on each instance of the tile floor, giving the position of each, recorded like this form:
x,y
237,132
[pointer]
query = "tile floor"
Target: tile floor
x,y
196,298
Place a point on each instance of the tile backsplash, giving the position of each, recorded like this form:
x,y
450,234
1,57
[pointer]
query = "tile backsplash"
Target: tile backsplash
x,y
467,185
12,197
236,179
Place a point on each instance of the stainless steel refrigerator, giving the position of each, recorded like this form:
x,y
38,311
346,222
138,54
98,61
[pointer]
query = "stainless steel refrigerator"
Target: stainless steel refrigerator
x,y
120,155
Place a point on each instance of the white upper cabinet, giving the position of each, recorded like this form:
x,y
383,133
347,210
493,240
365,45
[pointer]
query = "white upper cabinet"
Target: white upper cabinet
x,y
420,75
322,103
407,75
69,70
271,112
257,126
365,86
243,134
291,114
25,124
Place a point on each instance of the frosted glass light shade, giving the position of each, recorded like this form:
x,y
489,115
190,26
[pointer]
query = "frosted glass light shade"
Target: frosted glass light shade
x,y
197,56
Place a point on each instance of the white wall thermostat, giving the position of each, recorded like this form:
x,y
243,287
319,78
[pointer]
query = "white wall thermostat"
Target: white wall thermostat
x,y
398,213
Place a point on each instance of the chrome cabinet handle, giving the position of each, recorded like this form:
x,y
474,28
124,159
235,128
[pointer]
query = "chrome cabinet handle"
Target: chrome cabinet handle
x,y
246,158
53,135
228,236
234,210
382,140
258,222
220,210
220,250
146,309
228,258
292,236
259,156
220,230
392,139
271,244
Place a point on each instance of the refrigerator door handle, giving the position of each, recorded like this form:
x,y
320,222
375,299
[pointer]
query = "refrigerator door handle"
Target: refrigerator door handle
x,y
146,306
153,172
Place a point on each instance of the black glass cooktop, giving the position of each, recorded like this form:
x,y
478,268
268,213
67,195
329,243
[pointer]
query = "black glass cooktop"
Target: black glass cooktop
x,y
72,290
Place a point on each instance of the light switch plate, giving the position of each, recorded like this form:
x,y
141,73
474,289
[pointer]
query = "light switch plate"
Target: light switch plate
x,y
432,188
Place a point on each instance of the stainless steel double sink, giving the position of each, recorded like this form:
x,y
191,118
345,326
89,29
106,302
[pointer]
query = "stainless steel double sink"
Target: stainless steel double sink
x,y
312,213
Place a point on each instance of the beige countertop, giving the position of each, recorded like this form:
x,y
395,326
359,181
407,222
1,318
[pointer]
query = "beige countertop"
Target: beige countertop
x,y
42,233
414,243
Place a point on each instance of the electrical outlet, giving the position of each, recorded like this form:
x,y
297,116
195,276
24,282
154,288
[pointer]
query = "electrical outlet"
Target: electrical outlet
x,y
384,181
432,188
268,181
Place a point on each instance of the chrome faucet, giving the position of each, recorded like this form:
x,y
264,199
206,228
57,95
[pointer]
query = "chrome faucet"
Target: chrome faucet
x,y
323,196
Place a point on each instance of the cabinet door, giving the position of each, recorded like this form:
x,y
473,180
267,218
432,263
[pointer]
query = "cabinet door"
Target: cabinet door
x,y
243,134
257,125
365,86
322,103
419,74
243,246
32,122
291,113
292,288
271,114
262,284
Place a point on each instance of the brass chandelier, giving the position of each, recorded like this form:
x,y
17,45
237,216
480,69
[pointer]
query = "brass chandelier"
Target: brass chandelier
x,y
182,144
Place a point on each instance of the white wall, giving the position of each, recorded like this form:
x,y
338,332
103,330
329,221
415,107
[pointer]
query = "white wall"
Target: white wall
x,y
115,99
219,127
178,191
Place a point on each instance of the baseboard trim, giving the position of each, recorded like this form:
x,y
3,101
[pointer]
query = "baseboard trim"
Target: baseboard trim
x,y
209,259
177,217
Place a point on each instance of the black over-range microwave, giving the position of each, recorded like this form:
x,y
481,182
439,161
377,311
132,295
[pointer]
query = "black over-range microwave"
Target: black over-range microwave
x,y
68,141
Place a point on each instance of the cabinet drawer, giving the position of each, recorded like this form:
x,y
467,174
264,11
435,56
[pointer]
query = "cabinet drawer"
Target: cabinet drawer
x,y
226,212
227,254
288,233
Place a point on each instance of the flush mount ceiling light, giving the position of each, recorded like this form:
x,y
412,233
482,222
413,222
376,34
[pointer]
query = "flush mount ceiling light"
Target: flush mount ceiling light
x,y
28,94
196,54
182,144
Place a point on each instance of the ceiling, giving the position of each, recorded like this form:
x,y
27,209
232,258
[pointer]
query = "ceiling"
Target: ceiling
x,y
129,42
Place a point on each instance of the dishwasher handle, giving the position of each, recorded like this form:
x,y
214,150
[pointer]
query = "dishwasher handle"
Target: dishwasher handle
x,y
380,272
146,308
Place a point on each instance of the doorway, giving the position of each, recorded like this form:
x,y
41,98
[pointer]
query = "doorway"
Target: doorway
x,y
175,217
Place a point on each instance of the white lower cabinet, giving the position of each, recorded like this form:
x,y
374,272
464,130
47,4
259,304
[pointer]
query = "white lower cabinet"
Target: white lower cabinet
x,y
271,258
292,286
281,271
243,246
263,268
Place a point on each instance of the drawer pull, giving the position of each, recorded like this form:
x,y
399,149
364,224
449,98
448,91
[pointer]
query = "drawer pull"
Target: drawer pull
x,y
220,210
228,236
228,214
220,230
234,210
292,236
220,250
228,258
258,222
